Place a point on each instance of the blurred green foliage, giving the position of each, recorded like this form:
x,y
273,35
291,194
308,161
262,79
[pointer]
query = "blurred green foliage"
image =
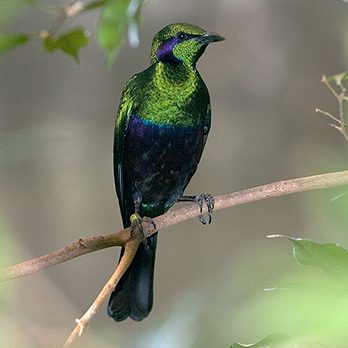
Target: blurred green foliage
x,y
10,41
117,17
331,258
69,42
311,309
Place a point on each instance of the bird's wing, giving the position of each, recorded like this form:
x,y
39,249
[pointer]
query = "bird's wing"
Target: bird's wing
x,y
207,122
122,120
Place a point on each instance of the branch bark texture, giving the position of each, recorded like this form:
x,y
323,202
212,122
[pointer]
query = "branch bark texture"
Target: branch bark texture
x,y
120,238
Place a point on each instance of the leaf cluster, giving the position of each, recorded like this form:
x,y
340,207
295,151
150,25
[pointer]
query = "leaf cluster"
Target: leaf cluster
x,y
116,18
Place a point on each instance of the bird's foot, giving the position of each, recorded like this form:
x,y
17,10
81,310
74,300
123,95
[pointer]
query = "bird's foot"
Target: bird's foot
x,y
137,226
203,198
209,201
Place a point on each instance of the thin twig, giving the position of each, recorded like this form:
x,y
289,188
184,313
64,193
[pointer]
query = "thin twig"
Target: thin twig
x,y
328,85
341,98
128,255
326,113
340,109
340,129
74,9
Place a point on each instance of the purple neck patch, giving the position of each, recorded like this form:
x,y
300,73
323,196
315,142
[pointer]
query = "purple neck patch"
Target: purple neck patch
x,y
165,51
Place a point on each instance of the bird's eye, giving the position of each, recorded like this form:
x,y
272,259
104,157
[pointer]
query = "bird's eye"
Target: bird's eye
x,y
182,36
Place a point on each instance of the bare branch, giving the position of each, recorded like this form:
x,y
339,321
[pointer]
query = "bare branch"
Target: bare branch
x,y
78,248
341,98
326,113
88,245
328,85
129,252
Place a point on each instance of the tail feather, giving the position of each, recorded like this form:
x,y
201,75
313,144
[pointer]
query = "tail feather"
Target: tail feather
x,y
133,296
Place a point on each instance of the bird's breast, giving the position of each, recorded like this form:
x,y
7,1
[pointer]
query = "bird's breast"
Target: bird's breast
x,y
166,99
160,159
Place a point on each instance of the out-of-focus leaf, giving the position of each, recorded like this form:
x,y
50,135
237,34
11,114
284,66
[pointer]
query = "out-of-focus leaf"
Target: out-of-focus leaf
x,y
339,79
116,18
268,341
332,258
10,41
94,4
112,27
70,42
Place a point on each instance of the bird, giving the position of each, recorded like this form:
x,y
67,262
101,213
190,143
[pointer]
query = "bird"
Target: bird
x,y
161,128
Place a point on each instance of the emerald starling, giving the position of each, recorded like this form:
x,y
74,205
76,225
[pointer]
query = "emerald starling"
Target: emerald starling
x,y
161,128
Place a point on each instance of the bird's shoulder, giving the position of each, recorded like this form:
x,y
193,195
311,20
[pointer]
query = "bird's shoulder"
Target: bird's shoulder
x,y
139,81
130,95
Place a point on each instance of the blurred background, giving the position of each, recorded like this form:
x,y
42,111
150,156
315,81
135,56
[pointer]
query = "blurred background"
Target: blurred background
x,y
56,179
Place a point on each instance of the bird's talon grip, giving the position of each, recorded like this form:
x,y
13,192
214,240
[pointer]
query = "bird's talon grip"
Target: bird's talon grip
x,y
209,201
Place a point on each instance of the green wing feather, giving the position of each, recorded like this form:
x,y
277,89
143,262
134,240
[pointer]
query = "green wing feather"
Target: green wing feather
x,y
126,107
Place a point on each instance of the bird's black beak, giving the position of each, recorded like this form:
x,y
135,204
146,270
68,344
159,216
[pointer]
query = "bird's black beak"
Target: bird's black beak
x,y
207,38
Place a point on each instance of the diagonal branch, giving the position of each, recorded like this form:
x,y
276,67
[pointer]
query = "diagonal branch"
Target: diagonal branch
x,y
76,249
88,245
130,249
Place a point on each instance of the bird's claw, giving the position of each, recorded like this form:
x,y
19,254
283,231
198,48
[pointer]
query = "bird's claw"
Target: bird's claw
x,y
209,201
137,225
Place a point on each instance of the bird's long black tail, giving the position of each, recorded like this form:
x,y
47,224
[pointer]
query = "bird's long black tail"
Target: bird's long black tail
x,y
133,295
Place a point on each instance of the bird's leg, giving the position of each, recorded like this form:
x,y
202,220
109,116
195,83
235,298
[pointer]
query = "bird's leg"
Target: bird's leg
x,y
200,200
136,219
137,199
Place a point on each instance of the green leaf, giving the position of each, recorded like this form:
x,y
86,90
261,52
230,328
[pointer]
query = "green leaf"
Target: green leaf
x,y
268,341
112,27
10,41
332,258
94,5
339,79
116,18
70,42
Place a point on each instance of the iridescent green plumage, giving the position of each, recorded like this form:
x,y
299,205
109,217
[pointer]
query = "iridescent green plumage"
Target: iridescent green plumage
x,y
160,133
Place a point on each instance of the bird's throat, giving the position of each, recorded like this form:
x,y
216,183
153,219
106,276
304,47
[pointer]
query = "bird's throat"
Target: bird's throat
x,y
176,74
174,95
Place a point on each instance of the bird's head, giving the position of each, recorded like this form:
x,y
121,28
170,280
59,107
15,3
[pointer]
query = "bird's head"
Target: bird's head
x,y
181,43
